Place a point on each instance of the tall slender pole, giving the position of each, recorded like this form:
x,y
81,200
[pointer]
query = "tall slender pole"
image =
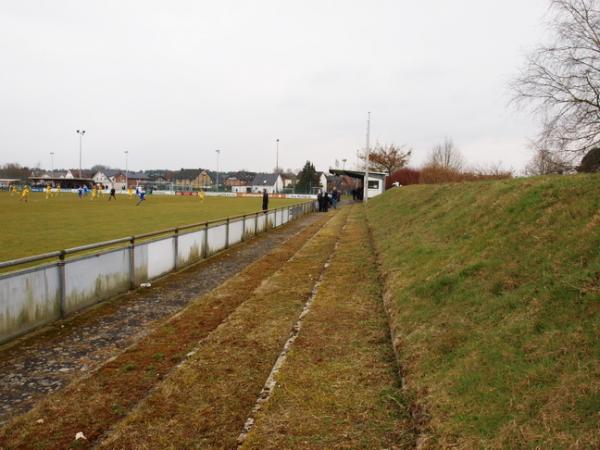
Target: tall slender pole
x,y
126,169
218,154
277,157
366,182
80,133
344,164
52,164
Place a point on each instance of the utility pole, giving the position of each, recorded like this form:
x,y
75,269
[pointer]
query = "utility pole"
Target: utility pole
x,y
366,181
126,169
80,133
277,164
218,154
277,157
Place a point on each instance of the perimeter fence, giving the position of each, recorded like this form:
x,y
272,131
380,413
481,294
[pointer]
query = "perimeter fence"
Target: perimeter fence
x,y
67,281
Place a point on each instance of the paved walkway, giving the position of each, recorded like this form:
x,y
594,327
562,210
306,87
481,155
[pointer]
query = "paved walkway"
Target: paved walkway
x,y
46,361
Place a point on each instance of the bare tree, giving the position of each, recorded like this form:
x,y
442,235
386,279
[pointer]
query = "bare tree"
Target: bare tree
x,y
562,80
446,155
388,158
547,162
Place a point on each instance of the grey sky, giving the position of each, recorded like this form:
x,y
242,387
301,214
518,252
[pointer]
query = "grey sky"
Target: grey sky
x,y
171,81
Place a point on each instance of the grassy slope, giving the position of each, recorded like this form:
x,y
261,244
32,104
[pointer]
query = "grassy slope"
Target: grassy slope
x,y
60,222
494,293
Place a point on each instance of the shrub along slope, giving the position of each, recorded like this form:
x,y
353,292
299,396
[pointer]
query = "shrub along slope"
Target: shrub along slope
x,y
493,289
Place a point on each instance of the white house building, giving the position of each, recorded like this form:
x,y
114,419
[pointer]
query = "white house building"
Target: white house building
x,y
272,182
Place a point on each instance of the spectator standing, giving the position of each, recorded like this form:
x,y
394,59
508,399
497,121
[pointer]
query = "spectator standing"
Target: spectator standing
x,y
265,201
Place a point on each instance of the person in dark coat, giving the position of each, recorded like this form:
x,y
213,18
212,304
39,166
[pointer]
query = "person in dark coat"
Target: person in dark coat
x,y
320,201
265,202
326,201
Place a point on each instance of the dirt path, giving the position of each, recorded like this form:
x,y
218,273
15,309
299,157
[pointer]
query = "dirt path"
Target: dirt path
x,y
44,362
338,386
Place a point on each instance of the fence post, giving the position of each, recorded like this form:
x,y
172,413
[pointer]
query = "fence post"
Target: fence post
x,y
132,262
255,224
227,233
275,220
205,246
62,281
176,237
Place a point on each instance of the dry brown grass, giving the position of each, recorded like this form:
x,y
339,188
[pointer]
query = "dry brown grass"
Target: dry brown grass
x,y
339,386
204,403
95,403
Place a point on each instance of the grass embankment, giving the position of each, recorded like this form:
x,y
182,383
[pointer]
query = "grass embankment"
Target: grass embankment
x,y
204,403
65,221
494,293
97,402
339,387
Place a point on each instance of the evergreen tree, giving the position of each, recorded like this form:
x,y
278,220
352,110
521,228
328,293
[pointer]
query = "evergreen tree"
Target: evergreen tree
x,y
307,178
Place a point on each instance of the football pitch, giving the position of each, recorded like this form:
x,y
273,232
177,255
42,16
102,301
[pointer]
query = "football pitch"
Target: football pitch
x,y
65,221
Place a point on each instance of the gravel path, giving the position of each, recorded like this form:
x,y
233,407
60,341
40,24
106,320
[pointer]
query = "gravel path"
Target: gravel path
x,y
46,361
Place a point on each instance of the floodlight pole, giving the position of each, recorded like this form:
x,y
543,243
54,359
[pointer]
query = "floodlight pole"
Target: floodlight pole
x,y
218,154
126,169
52,164
80,133
276,163
366,181
344,164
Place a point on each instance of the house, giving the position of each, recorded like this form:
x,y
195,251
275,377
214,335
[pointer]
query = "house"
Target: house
x,y
289,180
189,179
104,177
322,180
272,182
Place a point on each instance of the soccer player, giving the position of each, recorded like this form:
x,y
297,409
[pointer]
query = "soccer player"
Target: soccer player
x,y
48,191
130,192
94,192
201,196
142,197
112,194
58,189
13,190
25,194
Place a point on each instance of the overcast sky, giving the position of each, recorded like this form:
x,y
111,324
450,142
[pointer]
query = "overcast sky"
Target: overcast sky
x,y
171,81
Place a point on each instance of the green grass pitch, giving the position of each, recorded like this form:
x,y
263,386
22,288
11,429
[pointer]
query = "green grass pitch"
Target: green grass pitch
x,y
65,221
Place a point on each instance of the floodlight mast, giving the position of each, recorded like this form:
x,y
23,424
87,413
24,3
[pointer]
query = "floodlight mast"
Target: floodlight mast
x,y
366,180
80,133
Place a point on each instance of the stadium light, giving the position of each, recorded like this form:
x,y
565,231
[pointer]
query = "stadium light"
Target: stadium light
x,y
218,154
344,164
126,169
366,181
80,133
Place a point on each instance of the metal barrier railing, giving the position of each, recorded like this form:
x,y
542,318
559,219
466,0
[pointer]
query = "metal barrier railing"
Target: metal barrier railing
x,y
70,279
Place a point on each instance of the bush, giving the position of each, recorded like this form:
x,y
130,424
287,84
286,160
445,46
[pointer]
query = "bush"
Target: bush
x,y
404,177
435,174
591,161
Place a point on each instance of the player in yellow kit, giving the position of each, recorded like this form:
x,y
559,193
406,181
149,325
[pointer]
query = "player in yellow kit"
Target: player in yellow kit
x,y
58,189
13,190
25,194
48,191
130,192
201,196
94,192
